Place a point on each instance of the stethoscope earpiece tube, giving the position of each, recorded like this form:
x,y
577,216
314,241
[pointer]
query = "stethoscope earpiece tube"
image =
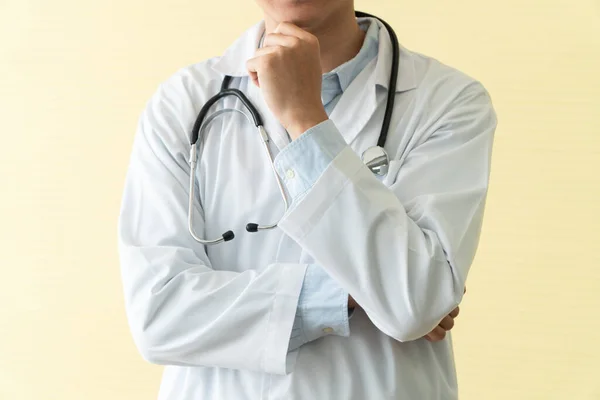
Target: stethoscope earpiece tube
x,y
257,119
387,117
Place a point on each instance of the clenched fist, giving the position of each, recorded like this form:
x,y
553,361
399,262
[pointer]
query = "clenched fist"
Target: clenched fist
x,y
288,71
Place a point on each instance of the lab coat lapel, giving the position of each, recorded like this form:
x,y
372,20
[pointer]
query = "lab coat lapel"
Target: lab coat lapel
x,y
360,100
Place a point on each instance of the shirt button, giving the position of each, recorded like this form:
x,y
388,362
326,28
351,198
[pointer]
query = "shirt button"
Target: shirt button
x,y
328,330
290,174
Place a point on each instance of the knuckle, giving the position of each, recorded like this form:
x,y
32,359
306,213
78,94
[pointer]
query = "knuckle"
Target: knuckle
x,y
261,62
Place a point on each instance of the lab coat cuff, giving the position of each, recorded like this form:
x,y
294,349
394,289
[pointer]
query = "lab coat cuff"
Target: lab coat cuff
x,y
302,162
276,359
322,309
300,219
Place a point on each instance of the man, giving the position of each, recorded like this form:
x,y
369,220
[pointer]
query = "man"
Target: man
x,y
350,298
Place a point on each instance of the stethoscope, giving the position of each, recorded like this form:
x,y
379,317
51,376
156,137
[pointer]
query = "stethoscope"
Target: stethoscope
x,y
375,157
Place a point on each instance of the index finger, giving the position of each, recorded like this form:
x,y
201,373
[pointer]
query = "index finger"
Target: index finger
x,y
287,28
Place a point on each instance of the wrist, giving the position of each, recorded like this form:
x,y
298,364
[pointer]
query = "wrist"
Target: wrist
x,y
302,123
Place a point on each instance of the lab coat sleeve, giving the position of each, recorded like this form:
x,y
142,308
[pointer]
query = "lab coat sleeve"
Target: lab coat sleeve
x,y
180,310
403,252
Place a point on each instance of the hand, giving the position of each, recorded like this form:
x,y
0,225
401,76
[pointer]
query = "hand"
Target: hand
x,y
439,332
352,304
288,71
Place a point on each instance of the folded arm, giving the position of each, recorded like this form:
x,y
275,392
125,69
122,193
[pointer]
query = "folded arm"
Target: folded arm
x,y
180,310
402,252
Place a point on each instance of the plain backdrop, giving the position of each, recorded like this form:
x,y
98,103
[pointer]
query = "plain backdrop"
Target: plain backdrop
x,y
75,75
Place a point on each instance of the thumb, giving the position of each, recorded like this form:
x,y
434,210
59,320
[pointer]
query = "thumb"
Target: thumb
x,y
254,77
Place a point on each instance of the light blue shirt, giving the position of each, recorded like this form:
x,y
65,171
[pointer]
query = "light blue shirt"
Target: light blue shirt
x,y
323,304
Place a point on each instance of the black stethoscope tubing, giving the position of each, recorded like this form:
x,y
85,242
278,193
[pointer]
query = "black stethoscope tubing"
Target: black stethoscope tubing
x,y
375,157
257,119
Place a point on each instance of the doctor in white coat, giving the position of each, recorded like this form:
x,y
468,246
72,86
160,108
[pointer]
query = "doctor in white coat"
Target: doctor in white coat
x,y
349,297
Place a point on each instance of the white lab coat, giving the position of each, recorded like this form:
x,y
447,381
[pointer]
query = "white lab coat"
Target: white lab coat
x,y
220,317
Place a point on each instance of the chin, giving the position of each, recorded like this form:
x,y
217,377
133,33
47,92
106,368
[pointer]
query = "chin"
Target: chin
x,y
303,13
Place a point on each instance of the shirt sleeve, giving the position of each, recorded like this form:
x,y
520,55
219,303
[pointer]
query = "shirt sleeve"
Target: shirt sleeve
x,y
323,304
322,309
302,162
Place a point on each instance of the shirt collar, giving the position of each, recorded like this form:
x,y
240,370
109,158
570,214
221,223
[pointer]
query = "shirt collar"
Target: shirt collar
x,y
233,61
346,72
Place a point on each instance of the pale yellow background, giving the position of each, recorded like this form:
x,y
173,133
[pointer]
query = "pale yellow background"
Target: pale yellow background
x,y
74,76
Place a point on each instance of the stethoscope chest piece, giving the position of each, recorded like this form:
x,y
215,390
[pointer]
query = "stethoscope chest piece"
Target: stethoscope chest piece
x,y
377,160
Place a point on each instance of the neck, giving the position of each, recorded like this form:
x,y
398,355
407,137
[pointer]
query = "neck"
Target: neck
x,y
340,37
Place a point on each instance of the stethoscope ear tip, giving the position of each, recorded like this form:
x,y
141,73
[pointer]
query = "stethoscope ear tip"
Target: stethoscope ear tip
x,y
252,227
227,236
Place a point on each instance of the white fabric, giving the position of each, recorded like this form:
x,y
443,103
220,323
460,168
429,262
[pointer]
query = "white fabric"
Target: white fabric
x,y
220,317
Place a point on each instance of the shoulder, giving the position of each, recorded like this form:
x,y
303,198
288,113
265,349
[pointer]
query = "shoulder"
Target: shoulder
x,y
171,111
447,101
443,86
196,82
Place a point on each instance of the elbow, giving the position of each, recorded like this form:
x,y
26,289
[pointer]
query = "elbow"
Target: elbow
x,y
147,345
163,342
412,330
152,337
408,329
411,323
151,356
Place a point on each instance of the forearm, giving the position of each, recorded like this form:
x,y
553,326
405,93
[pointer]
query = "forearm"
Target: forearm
x,y
396,272
189,314
181,311
403,251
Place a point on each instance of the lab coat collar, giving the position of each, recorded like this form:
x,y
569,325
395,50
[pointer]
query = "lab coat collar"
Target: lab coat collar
x,y
233,61
406,68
